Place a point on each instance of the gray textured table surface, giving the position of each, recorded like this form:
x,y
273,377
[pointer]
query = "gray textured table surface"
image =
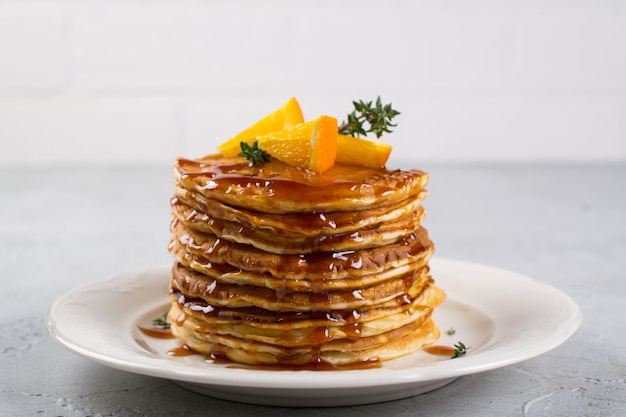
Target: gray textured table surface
x,y
565,226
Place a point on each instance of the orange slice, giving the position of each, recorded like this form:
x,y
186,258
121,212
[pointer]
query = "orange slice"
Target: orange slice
x,y
311,145
287,115
362,151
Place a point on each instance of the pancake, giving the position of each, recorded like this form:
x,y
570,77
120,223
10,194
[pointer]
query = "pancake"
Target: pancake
x,y
196,284
287,242
383,314
398,342
325,265
276,187
276,265
269,327
307,223
233,275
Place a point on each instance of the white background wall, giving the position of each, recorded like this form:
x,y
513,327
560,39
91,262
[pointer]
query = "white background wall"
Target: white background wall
x,y
476,80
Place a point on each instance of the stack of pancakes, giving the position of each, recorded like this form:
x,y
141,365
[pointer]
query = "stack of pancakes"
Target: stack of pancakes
x,y
276,265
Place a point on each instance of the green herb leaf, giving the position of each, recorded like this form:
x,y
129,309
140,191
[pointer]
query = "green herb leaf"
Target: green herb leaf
x,y
161,322
459,350
378,117
253,153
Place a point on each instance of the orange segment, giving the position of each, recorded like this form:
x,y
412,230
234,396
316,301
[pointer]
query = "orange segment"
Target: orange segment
x,y
323,144
287,115
311,145
362,151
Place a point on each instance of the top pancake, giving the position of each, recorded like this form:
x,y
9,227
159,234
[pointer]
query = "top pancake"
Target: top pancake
x,y
276,187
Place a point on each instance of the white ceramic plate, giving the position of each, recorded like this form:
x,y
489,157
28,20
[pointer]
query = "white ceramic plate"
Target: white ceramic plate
x,y
502,317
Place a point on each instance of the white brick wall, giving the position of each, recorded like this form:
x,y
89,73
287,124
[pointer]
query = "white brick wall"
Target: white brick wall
x,y
476,80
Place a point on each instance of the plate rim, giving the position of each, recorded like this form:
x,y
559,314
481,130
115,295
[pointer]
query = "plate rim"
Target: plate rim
x,y
293,380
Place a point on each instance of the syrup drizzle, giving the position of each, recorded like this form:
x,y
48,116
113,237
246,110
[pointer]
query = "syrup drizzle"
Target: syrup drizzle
x,y
439,350
157,332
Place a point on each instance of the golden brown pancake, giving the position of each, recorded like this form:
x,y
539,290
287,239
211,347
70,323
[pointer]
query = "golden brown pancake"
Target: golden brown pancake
x,y
233,275
288,242
276,187
395,343
269,327
308,223
198,285
277,265
318,264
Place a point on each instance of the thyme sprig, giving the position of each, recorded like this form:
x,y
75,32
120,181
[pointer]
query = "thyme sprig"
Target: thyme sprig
x,y
378,118
253,153
161,322
459,350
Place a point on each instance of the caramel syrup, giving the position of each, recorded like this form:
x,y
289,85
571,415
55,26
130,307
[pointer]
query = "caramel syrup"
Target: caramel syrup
x,y
440,350
156,332
183,350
